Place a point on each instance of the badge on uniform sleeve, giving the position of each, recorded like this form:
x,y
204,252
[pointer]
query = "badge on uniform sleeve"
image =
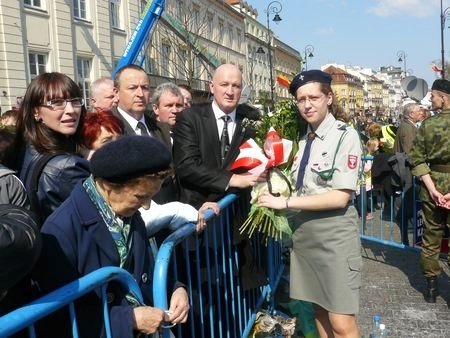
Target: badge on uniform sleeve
x,y
352,161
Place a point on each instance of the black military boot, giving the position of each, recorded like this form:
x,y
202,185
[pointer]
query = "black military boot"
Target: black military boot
x,y
432,290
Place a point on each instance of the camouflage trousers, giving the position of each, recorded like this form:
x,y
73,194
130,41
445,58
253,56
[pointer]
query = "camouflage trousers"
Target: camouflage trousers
x,y
435,219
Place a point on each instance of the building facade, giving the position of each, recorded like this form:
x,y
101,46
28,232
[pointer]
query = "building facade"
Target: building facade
x,y
348,89
85,39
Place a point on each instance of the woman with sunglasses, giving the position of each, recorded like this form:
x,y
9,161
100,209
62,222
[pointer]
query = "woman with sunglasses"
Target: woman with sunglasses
x,y
50,122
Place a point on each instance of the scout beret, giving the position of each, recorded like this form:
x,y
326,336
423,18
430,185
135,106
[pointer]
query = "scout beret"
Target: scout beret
x,y
130,157
20,244
308,76
442,85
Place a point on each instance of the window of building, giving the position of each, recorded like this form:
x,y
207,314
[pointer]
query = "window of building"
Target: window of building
x,y
196,17
221,31
114,9
197,68
84,76
165,59
79,9
181,64
210,25
180,11
34,3
230,36
37,63
239,38
143,4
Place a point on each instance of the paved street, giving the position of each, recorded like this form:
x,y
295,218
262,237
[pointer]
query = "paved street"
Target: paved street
x,y
391,286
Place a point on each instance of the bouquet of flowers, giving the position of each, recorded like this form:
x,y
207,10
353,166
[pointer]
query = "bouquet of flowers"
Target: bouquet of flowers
x,y
278,135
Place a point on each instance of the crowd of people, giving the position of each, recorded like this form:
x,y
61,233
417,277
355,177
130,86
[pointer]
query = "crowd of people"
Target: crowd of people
x,y
101,184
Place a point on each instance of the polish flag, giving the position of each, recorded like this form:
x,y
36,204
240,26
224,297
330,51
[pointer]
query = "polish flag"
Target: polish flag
x,y
253,159
435,68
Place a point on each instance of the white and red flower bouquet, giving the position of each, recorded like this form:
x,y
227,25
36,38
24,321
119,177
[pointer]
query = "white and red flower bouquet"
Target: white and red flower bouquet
x,y
272,151
269,222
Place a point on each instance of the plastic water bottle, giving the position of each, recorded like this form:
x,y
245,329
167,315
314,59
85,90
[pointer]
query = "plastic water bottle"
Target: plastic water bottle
x,y
375,326
382,331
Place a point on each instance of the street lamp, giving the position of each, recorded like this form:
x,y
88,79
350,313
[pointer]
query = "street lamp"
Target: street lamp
x,y
402,58
309,49
273,8
444,15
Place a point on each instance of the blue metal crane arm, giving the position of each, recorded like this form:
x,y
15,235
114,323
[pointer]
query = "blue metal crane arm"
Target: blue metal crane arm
x,y
150,16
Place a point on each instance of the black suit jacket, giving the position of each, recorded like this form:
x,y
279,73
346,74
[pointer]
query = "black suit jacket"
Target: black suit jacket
x,y
161,131
196,152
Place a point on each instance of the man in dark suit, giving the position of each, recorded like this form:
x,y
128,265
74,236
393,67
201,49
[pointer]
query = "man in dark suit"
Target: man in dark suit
x,y
202,159
198,145
132,88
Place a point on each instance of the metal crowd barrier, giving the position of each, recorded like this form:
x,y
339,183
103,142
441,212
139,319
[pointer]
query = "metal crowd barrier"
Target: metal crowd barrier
x,y
28,315
396,219
220,307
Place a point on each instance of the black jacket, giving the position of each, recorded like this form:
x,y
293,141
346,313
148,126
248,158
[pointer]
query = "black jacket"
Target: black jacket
x,y
196,151
57,180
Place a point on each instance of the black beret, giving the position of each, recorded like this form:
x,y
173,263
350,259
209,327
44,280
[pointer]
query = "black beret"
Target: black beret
x,y
129,157
20,244
308,76
442,85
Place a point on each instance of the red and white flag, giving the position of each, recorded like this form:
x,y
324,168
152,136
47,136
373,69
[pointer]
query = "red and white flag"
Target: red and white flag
x,y
252,158
435,68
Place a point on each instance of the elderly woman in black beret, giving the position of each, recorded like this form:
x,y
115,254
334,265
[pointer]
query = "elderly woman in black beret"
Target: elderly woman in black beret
x,y
326,257
100,225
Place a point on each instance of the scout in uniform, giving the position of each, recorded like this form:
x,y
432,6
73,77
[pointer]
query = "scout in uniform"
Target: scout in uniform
x,y
326,259
430,159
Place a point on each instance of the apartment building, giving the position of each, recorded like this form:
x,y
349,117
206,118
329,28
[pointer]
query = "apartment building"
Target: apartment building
x,y
267,56
85,39
81,38
348,89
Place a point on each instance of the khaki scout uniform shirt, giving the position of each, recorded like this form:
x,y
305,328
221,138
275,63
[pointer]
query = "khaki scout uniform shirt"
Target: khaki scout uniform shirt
x,y
345,169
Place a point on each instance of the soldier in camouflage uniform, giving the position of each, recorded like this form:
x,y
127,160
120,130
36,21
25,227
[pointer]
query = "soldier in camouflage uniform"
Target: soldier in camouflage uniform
x,y
430,158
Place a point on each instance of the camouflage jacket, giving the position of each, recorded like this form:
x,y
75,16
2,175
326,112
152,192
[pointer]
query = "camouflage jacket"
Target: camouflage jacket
x,y
432,147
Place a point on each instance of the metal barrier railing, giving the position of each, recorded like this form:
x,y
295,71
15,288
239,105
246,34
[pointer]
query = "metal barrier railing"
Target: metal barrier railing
x,y
396,218
28,315
220,307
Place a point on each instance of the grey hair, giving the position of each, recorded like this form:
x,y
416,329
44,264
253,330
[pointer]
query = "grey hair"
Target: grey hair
x,y
409,108
165,87
98,82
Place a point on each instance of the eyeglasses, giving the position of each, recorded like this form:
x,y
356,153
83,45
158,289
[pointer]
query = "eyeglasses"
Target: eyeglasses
x,y
59,104
312,100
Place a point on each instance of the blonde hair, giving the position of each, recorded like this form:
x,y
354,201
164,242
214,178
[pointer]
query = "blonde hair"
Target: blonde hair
x,y
371,143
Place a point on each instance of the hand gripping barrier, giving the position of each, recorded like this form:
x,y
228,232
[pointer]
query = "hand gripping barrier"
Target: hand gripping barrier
x,y
220,306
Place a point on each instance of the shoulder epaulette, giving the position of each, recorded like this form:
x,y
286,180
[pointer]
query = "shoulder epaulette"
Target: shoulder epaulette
x,y
343,126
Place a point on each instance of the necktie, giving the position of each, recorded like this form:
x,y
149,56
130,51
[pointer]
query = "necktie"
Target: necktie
x,y
142,128
304,160
224,138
